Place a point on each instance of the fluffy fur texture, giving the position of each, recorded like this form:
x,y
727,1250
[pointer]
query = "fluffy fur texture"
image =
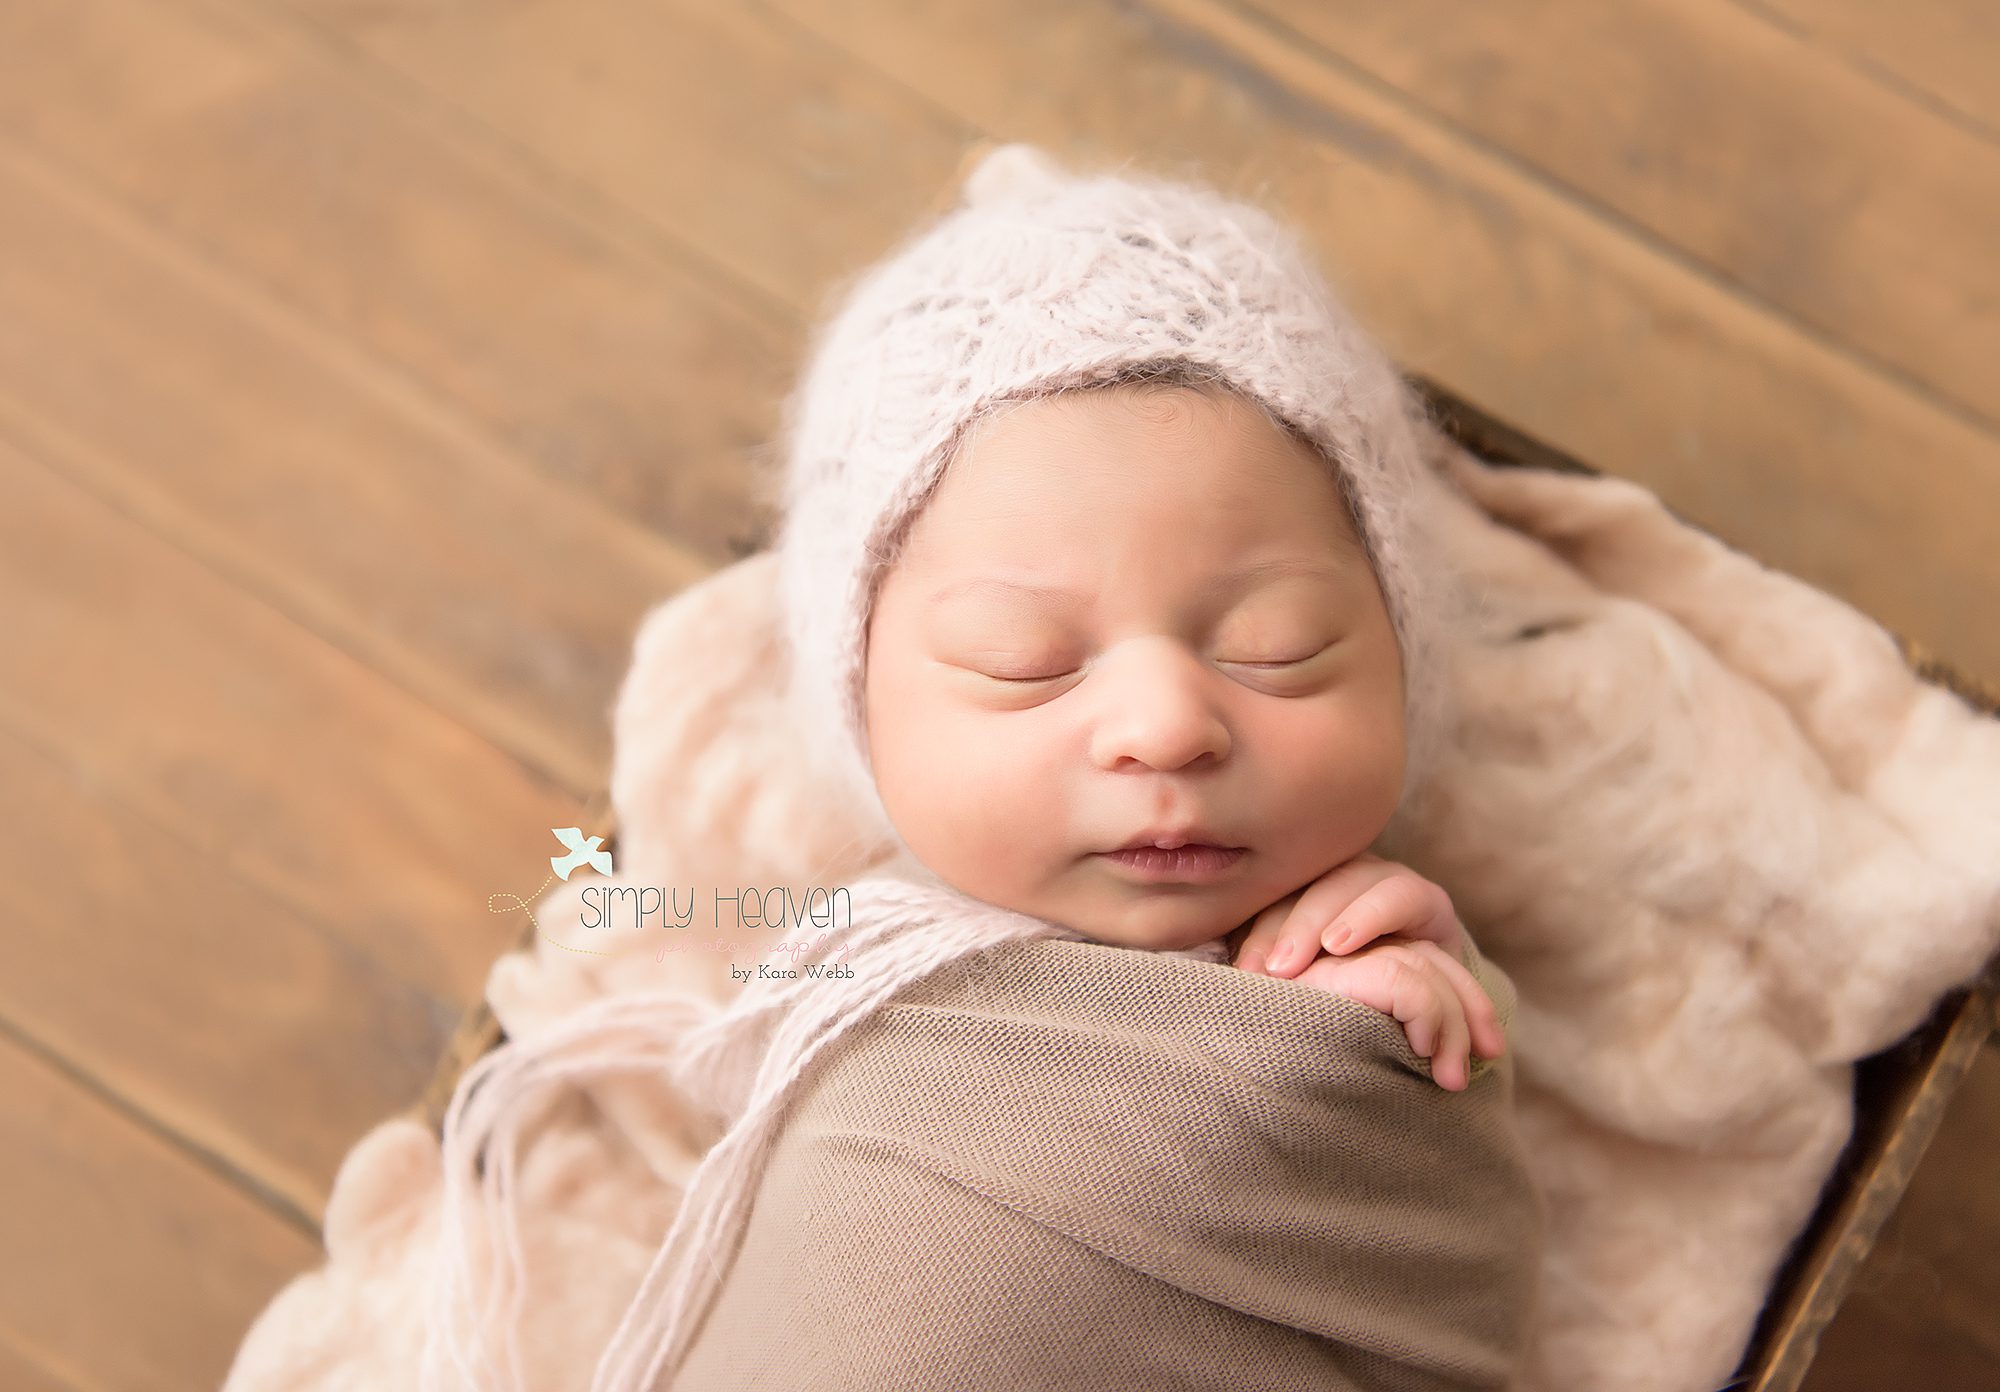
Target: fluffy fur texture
x,y
1718,834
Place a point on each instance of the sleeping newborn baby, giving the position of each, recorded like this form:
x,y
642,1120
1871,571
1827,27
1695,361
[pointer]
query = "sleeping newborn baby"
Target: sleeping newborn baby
x,y
1132,672
1106,589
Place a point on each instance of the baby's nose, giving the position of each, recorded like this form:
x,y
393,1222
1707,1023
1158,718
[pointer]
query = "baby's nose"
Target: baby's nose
x,y
1160,707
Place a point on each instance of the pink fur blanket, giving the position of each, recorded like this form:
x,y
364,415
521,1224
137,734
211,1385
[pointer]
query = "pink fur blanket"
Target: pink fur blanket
x,y
1721,838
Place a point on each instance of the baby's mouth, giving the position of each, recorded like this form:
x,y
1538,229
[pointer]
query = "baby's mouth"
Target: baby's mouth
x,y
1193,863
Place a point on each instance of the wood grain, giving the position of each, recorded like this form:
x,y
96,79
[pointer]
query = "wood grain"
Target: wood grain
x,y
1924,1297
24,1369
302,770
128,1262
586,345
192,996
1942,51
1753,155
301,469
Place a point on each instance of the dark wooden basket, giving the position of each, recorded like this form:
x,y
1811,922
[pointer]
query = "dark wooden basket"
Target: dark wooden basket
x,y
1900,1094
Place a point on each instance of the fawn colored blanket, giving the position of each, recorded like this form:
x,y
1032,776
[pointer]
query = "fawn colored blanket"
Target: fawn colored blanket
x,y
1704,817
1087,1167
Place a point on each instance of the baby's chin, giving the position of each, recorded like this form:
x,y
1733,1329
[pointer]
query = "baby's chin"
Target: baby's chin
x,y
1094,902
1154,920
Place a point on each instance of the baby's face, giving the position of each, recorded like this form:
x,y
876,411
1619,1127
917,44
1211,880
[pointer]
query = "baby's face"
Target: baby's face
x,y
1129,610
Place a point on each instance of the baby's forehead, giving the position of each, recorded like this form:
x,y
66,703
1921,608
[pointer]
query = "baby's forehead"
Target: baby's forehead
x,y
1144,422
1200,468
1074,581
1023,535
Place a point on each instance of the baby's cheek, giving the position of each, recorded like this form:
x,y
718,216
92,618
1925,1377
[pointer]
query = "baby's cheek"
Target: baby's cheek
x,y
1327,792
992,810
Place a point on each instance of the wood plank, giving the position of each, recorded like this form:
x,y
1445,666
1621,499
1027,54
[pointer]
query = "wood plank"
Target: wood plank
x,y
1927,1295
1946,50
23,1369
1469,269
304,471
201,1002
1777,165
129,1264
585,342
769,155
264,749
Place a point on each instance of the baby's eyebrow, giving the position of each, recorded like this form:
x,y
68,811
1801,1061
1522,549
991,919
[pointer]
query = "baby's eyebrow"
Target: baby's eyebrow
x,y
1235,577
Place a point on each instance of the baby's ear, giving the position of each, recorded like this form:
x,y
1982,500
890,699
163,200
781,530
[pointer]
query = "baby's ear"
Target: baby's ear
x,y
1012,170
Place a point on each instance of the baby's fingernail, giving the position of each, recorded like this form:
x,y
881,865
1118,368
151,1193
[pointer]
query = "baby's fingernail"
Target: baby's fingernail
x,y
1280,958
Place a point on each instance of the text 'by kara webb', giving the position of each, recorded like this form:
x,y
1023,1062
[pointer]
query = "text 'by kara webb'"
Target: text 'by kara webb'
x,y
660,906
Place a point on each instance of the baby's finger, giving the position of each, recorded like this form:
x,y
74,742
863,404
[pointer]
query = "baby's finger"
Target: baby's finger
x,y
1296,942
1399,982
1322,902
1451,1061
1386,985
1418,1000
1440,1034
1402,903
1254,950
1482,1017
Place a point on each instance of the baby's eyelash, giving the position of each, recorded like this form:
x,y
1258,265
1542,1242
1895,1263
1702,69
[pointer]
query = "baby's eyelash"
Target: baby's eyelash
x,y
1288,662
1259,666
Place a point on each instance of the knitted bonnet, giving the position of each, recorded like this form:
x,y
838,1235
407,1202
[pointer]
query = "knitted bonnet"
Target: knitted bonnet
x,y
1038,281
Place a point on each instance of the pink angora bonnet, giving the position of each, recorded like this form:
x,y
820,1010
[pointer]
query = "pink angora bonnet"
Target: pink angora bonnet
x,y
1041,280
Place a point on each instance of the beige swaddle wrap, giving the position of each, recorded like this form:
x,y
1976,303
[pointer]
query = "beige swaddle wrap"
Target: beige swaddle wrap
x,y
1065,1165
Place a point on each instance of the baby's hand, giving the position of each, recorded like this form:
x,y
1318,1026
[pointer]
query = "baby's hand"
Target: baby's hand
x,y
1397,946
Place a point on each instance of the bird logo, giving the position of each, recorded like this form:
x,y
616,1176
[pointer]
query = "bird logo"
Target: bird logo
x,y
582,851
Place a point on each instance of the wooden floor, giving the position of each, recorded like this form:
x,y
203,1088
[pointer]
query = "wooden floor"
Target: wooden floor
x,y
368,368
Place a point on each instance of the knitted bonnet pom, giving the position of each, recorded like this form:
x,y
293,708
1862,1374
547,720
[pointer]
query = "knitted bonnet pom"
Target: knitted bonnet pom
x,y
1040,281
